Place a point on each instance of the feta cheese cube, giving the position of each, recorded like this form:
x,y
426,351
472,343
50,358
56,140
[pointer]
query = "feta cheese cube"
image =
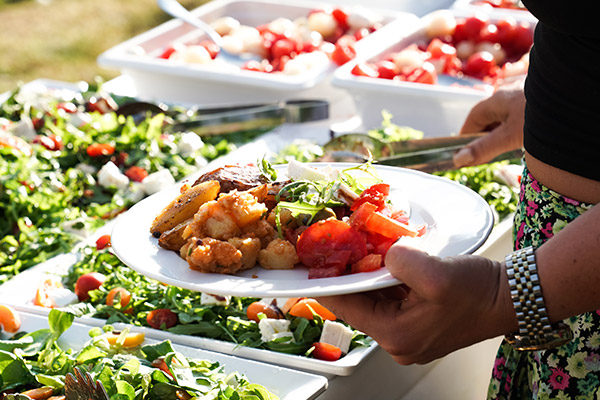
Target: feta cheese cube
x,y
110,175
157,181
337,334
271,328
189,143
208,299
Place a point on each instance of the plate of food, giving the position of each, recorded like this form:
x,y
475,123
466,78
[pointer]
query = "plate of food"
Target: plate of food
x,y
318,229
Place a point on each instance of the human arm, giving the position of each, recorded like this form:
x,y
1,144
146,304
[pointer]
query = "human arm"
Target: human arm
x,y
458,301
503,115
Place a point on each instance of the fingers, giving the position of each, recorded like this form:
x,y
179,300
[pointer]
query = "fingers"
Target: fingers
x,y
364,313
413,267
487,148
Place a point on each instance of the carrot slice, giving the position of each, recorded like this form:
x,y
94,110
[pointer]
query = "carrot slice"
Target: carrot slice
x,y
10,320
306,308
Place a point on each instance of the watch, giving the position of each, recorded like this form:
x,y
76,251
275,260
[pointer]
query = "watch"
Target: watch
x,y
535,330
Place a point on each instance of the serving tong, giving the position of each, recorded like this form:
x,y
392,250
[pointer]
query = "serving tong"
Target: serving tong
x,y
428,155
231,119
81,386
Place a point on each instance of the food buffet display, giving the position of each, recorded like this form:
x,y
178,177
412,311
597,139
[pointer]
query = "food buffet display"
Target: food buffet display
x,y
117,223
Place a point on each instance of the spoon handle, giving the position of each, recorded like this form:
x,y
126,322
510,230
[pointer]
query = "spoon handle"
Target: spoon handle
x,y
175,9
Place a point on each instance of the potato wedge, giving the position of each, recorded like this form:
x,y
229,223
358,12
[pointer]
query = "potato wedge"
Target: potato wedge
x,y
184,206
173,238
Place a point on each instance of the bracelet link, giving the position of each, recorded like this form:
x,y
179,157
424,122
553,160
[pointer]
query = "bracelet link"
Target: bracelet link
x,y
535,332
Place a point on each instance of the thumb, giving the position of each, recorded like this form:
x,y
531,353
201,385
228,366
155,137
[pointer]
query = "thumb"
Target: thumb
x,y
411,266
486,148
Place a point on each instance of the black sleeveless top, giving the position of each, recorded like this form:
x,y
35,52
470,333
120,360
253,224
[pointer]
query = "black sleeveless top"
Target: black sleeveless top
x,y
563,87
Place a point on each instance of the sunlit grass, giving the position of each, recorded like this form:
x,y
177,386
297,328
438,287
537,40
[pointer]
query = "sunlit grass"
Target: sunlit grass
x,y
61,39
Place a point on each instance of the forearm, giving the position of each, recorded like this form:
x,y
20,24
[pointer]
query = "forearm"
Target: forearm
x,y
569,267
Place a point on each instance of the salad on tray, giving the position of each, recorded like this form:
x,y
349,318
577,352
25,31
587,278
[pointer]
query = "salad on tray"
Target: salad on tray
x,y
70,160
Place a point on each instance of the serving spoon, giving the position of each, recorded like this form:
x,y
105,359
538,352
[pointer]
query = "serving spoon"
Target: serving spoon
x,y
175,9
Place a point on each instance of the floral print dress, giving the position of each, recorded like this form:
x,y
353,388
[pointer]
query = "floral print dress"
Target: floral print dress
x,y
571,371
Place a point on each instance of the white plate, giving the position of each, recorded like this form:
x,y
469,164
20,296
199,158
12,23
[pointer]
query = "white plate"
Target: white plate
x,y
459,222
286,383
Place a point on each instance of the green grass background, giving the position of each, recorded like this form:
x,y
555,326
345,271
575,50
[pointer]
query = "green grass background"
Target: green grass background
x,y
61,39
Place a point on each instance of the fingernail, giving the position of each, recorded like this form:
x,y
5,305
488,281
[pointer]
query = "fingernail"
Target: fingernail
x,y
463,157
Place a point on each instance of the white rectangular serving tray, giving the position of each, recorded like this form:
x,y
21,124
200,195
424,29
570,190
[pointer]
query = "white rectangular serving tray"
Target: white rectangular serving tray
x,y
162,79
437,110
286,383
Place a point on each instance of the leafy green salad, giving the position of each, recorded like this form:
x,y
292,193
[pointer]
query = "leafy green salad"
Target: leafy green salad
x,y
35,363
70,161
142,301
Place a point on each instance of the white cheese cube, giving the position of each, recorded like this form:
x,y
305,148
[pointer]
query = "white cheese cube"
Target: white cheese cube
x,y
208,299
297,170
24,129
110,175
157,181
337,334
63,297
189,143
270,328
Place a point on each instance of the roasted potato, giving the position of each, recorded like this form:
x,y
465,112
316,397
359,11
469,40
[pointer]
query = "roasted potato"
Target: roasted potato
x,y
184,206
173,238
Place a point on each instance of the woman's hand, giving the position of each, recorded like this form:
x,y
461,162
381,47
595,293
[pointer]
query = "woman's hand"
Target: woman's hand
x,y
503,115
443,305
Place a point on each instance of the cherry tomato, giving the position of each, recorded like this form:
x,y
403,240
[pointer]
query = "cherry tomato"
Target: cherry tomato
x,y
424,74
330,243
162,318
341,17
87,282
102,104
386,69
364,69
370,262
376,195
136,174
361,33
212,48
489,33
67,106
474,24
283,47
50,142
123,294
344,50
162,365
506,30
100,149
523,39
479,64
103,242
257,307
326,352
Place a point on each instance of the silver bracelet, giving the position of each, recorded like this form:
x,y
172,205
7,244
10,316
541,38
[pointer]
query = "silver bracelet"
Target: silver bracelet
x,y
535,330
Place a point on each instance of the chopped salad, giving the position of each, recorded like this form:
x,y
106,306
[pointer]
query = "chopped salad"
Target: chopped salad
x,y
69,162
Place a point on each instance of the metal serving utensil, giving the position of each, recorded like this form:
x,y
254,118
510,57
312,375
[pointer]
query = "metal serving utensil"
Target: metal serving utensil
x,y
429,155
175,9
81,387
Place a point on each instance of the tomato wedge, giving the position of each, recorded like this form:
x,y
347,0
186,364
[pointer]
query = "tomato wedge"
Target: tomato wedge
x,y
326,352
331,243
389,227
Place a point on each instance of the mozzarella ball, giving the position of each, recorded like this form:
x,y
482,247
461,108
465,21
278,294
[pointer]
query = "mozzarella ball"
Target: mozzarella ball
x,y
225,25
440,23
323,23
464,49
410,57
495,49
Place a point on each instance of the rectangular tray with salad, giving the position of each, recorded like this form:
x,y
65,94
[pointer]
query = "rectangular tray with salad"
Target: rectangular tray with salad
x,y
70,161
199,320
47,348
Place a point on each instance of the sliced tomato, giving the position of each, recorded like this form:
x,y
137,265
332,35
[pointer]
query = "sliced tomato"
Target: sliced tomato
x,y
344,50
386,69
162,318
330,243
389,227
100,149
424,74
378,244
376,195
124,296
341,17
364,69
370,262
136,174
326,352
358,219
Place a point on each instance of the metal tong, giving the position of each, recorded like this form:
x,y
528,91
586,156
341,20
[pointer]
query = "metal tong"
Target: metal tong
x,y
428,155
